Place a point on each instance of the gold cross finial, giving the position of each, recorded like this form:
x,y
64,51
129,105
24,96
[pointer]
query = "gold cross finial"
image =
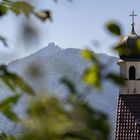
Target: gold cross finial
x,y
133,23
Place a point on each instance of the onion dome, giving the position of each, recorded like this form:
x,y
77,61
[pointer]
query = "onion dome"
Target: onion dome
x,y
129,44
129,49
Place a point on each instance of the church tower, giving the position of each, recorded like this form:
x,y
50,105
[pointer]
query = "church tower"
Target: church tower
x,y
128,112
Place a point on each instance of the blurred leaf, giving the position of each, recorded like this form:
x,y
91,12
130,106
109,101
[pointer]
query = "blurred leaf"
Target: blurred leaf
x,y
69,85
138,45
23,7
10,115
88,55
121,49
44,15
116,78
6,107
9,100
15,10
20,83
34,70
29,33
13,81
3,10
4,41
5,79
114,28
3,69
4,136
9,84
49,119
92,76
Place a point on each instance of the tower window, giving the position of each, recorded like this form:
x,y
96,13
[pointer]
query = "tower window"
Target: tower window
x,y
132,73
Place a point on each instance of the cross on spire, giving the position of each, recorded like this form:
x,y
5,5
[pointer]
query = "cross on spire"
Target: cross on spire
x,y
133,23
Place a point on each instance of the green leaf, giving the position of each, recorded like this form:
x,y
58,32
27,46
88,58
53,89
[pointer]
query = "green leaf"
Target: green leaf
x,y
9,100
8,83
4,136
6,107
120,49
23,7
14,82
10,115
20,83
88,55
69,85
92,76
114,28
116,78
15,10
3,10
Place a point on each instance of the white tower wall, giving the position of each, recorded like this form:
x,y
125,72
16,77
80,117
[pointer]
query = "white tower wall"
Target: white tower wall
x,y
132,86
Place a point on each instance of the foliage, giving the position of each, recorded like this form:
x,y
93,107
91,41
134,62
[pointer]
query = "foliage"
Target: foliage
x,y
22,7
14,82
95,73
6,107
114,28
18,86
4,136
48,117
51,119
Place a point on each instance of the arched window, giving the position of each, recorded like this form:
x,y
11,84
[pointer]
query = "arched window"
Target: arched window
x,y
132,73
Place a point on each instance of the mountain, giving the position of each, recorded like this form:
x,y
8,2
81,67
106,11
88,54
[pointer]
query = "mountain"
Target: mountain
x,y
53,63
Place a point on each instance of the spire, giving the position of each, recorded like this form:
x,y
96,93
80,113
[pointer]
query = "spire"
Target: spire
x,y
133,23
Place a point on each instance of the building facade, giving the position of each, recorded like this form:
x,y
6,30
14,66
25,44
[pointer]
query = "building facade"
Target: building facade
x,y
128,111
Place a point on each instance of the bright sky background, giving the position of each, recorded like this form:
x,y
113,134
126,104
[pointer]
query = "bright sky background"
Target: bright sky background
x,y
75,24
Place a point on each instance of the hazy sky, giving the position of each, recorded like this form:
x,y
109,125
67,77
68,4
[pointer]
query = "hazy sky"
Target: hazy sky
x,y
75,24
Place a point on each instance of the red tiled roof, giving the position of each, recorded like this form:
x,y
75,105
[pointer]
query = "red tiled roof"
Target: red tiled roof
x,y
128,117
